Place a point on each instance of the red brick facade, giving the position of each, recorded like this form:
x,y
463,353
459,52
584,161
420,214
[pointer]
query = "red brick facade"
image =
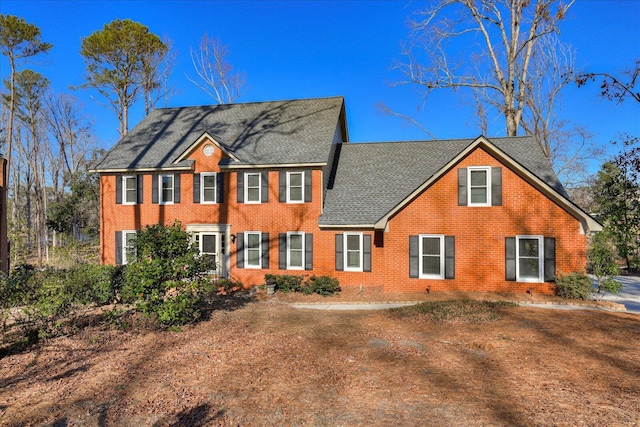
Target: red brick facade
x,y
479,232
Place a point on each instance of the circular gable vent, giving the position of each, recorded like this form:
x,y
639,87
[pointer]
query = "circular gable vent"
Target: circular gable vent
x,y
208,150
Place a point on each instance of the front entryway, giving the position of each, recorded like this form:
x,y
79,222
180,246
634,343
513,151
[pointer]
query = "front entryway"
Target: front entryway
x,y
212,241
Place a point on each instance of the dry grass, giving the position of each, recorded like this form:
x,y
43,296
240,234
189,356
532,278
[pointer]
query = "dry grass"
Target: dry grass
x,y
265,364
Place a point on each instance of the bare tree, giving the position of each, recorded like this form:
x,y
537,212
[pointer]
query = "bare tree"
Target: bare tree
x,y
616,88
496,40
216,74
156,70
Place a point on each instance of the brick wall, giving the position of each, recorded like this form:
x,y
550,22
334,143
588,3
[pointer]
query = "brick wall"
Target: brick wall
x,y
479,231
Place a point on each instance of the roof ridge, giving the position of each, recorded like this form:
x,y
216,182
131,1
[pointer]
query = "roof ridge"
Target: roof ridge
x,y
249,103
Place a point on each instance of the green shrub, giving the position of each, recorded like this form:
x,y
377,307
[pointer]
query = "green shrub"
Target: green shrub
x,y
322,285
285,283
166,277
601,262
181,305
574,286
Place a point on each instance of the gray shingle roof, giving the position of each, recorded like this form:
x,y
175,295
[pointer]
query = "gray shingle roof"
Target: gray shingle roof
x,y
373,178
260,133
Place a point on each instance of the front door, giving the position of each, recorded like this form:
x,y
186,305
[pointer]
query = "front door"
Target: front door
x,y
213,246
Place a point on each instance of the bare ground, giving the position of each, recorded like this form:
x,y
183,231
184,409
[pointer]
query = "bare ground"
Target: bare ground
x,y
264,364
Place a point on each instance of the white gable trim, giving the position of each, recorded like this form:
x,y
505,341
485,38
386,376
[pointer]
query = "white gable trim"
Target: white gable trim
x,y
587,223
204,137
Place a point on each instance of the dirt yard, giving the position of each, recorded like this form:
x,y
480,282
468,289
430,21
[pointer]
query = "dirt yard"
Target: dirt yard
x,y
267,364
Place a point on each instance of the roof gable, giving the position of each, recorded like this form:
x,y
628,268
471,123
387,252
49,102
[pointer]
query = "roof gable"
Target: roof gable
x,y
374,181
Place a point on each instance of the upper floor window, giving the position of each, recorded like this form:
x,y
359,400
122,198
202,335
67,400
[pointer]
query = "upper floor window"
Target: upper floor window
x,y
479,180
252,187
208,187
129,189
166,189
480,186
295,187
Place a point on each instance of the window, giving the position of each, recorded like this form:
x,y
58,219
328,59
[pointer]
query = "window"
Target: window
x,y
353,252
166,189
252,249
130,190
252,187
529,258
208,188
295,187
208,244
479,180
295,251
431,256
128,247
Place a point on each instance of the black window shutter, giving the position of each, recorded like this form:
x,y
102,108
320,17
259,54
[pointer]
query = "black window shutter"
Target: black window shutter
x,y
462,186
510,258
140,183
196,188
496,186
282,251
264,184
118,247
414,256
240,190
449,257
308,190
119,189
176,188
366,252
154,188
308,251
220,187
265,250
549,259
282,187
339,252
240,250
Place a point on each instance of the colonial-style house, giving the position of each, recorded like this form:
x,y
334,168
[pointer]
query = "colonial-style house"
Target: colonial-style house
x,y
277,188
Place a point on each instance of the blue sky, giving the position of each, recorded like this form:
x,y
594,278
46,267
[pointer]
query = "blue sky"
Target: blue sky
x,y
294,49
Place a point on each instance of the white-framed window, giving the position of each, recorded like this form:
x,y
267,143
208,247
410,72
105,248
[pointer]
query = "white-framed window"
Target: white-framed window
x,y
208,187
431,261
208,245
252,187
295,187
295,250
479,182
353,251
253,249
166,189
529,258
128,247
129,190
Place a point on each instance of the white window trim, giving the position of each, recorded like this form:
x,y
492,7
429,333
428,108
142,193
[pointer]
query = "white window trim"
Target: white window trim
x,y
124,245
301,187
540,277
160,188
361,250
246,249
487,169
215,192
246,187
295,233
420,254
124,189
